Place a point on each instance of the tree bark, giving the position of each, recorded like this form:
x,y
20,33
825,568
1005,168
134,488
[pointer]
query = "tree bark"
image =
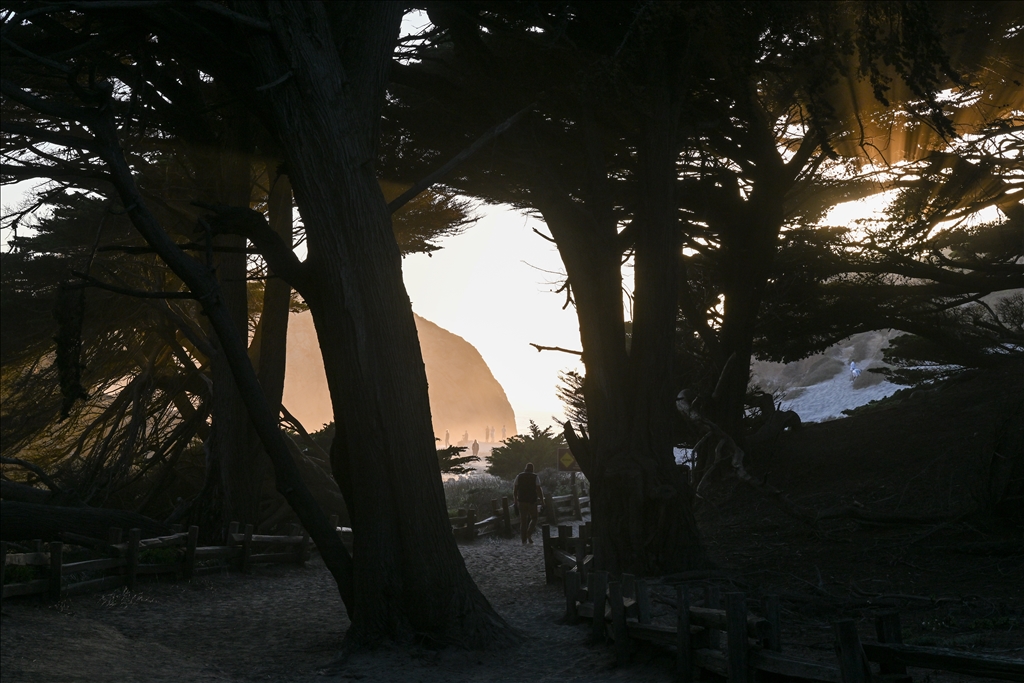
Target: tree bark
x,y
641,501
409,576
272,351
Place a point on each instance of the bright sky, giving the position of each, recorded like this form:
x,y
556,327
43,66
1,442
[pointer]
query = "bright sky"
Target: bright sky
x,y
489,286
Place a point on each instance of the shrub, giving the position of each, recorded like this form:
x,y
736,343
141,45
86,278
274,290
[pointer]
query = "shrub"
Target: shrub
x,y
19,573
475,490
452,461
540,447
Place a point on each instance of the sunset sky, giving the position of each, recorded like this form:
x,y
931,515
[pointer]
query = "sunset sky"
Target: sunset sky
x,y
494,287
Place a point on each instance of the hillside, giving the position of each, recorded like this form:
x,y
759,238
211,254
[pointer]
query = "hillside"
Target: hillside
x,y
914,499
464,395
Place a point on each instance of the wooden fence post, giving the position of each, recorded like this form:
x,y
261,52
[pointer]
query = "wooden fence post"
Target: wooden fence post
x,y
56,565
736,618
600,584
571,585
471,524
581,553
564,536
853,664
713,600
629,586
618,623
549,569
643,602
190,552
132,556
551,510
243,562
684,655
773,641
506,517
888,629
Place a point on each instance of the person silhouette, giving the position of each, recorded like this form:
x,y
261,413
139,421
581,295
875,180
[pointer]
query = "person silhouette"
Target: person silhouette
x,y
476,448
447,439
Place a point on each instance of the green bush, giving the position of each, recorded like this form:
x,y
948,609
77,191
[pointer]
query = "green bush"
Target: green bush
x,y
20,573
557,483
540,447
475,490
452,460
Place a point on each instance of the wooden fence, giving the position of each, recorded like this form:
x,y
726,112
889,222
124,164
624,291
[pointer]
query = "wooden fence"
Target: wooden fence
x,y
733,642
113,562
503,521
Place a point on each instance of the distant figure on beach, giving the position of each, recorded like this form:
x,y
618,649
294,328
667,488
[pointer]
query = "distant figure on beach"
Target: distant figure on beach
x,y
476,448
854,370
447,439
527,493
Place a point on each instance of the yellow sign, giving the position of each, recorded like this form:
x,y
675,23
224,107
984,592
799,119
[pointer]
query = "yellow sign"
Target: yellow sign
x,y
566,462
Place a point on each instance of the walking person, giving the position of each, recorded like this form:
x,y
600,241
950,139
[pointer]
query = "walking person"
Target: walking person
x,y
527,493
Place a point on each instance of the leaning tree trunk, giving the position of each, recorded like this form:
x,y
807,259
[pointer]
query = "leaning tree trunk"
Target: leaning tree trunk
x,y
409,577
225,177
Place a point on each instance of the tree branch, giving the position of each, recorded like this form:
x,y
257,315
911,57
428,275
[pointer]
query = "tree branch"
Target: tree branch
x,y
253,226
555,348
90,280
34,469
201,281
440,173
15,128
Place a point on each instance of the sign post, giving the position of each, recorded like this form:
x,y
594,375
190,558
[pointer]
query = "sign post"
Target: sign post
x,y
566,461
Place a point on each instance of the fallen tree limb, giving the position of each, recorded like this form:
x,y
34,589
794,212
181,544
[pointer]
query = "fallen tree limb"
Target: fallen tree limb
x,y
29,521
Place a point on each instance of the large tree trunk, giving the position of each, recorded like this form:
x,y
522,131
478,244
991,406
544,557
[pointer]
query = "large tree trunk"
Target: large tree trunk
x,y
641,501
749,244
270,343
225,178
409,576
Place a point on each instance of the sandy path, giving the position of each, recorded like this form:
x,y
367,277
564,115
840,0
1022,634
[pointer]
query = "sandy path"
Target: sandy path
x,y
285,624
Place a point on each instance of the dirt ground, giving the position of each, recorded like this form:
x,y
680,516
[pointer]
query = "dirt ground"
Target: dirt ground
x,y
958,581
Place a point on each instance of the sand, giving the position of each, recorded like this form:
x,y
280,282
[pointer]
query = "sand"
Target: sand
x,y
285,623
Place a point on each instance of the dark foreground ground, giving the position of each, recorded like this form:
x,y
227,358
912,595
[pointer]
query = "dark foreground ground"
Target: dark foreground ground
x,y
907,477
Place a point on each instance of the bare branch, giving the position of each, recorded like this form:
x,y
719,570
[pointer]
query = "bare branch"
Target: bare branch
x,y
91,281
34,469
555,348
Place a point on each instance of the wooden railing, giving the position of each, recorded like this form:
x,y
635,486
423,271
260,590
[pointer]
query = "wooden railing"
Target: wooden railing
x,y
503,521
114,563
732,642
